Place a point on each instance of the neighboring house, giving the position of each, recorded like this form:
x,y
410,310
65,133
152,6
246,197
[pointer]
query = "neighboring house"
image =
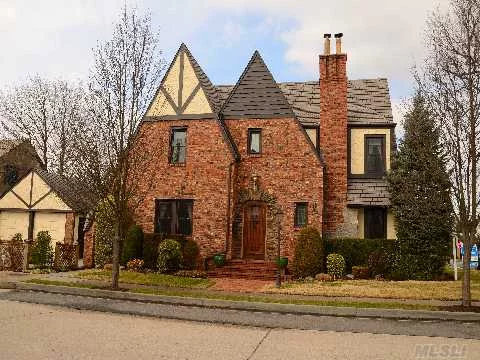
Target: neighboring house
x,y
244,167
44,201
17,157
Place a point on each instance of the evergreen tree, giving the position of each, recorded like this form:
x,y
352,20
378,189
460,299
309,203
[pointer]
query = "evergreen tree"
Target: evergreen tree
x,y
420,193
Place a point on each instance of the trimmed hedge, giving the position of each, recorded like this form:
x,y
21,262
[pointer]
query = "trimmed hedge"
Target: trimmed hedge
x,y
357,251
151,241
169,256
133,244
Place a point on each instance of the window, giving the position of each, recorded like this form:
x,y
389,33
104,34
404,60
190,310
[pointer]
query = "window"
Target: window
x,y
301,212
375,223
312,133
174,217
178,145
11,175
254,141
375,155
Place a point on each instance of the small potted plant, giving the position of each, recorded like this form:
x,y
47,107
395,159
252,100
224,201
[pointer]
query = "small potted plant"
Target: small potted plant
x,y
219,259
282,262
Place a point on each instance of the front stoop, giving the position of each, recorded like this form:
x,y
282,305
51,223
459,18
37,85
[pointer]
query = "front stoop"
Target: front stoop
x,y
246,269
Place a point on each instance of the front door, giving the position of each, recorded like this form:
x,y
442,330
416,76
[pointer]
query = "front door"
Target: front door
x,y
254,231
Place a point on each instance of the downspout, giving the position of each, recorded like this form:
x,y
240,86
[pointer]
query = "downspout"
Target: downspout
x,y
229,199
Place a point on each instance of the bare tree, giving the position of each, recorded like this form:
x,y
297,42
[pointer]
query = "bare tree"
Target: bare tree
x,y
109,155
44,112
451,81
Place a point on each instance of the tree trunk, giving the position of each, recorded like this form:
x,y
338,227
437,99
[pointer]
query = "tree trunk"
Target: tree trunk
x,y
466,294
116,257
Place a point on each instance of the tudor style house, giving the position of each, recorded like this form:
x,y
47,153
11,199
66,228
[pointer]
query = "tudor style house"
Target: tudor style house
x,y
243,168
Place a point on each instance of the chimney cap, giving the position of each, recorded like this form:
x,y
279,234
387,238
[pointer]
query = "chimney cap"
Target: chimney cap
x,y
338,35
327,36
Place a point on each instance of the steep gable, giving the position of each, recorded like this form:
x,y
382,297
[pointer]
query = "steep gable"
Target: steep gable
x,y
256,94
185,90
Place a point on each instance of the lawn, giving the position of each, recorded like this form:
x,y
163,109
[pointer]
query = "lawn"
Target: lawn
x,y
418,290
151,279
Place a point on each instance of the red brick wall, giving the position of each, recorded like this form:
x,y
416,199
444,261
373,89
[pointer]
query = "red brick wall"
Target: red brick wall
x,y
88,247
288,170
204,178
333,138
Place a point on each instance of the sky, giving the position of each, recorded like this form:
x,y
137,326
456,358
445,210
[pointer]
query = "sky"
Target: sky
x,y
382,38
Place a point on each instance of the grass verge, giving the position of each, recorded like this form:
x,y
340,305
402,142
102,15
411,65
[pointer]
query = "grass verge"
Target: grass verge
x,y
205,294
150,279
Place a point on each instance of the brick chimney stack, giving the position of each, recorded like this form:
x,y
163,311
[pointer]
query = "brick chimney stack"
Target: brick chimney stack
x,y
333,133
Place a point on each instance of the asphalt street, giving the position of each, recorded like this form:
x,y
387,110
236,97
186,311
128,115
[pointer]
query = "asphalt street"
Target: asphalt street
x,y
37,331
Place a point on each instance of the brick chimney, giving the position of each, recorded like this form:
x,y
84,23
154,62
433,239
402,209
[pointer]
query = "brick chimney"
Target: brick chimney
x,y
333,133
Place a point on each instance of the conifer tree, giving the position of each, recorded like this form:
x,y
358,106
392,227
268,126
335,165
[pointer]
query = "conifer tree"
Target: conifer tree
x,y
421,203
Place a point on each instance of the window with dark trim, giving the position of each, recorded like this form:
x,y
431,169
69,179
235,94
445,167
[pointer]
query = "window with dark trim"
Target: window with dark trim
x,y
178,145
312,132
173,217
375,161
375,223
254,141
301,214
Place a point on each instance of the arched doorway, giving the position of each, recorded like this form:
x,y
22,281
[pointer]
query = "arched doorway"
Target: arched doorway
x,y
254,228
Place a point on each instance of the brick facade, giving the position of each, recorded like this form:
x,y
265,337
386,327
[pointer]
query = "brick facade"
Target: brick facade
x,y
89,247
69,227
203,178
333,138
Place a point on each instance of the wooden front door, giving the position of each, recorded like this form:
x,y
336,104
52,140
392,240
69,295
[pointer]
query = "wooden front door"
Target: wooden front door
x,y
254,231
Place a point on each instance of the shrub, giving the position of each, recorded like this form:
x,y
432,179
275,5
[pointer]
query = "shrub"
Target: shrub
x,y
356,251
132,247
335,265
17,237
190,254
380,263
135,265
169,256
309,255
42,251
323,277
192,274
104,233
151,241
360,272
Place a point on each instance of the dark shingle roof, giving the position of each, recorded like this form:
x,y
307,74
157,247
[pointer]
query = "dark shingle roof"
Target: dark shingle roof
x,y
368,192
205,83
70,192
8,145
368,100
256,94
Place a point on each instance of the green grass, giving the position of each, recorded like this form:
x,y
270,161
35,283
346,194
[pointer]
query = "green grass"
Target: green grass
x,y
205,294
150,279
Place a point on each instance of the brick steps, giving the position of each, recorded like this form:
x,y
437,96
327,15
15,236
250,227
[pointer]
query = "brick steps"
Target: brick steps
x,y
246,269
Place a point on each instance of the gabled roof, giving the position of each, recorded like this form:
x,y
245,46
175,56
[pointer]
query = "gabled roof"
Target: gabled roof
x,y
256,94
8,145
368,100
70,192
203,79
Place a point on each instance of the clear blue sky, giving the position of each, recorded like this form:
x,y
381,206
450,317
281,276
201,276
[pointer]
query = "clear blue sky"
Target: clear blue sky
x,y
54,38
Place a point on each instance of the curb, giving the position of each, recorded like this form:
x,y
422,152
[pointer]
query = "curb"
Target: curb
x,y
314,310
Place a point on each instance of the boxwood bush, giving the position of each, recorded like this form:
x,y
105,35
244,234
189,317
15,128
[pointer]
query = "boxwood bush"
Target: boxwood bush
x,y
309,255
169,256
133,244
335,265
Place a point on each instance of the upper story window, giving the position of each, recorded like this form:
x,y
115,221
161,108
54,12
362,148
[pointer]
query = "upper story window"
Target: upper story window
x,y
301,214
254,141
375,162
178,146
312,132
